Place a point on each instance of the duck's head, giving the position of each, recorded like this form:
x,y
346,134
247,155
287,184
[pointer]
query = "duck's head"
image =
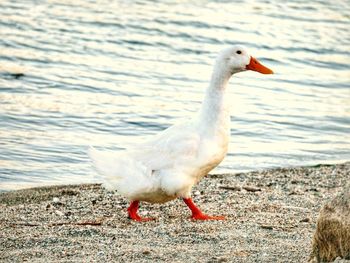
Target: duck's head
x,y
237,59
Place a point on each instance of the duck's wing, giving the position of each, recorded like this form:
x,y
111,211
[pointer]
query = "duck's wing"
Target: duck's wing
x,y
177,145
131,171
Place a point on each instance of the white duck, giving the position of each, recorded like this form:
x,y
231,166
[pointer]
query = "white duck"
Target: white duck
x,y
167,166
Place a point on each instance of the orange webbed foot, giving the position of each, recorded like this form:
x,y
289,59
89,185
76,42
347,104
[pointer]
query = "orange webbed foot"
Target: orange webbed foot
x,y
133,215
197,213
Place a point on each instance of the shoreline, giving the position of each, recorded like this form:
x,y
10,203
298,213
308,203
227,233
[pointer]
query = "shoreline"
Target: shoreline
x,y
32,185
267,211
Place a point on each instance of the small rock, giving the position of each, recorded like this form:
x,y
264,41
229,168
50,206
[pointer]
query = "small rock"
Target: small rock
x,y
68,213
55,200
305,220
196,193
69,192
251,188
58,212
146,252
295,192
222,259
266,227
270,184
233,188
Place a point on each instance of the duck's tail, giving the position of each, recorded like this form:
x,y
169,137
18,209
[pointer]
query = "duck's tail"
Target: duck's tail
x,y
118,171
108,167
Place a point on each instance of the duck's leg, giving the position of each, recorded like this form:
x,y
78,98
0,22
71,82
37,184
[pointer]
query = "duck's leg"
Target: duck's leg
x,y
132,212
197,213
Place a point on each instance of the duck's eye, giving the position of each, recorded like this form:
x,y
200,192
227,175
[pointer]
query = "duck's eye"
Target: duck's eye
x,y
239,52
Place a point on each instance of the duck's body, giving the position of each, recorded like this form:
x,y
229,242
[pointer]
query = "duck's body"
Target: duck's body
x,y
167,166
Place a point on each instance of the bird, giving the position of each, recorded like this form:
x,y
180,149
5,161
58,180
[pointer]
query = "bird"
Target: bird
x,y
167,165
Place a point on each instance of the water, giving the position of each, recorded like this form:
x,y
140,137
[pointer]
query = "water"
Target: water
x,y
107,74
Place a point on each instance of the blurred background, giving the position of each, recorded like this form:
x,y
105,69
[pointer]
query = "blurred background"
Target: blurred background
x,y
109,73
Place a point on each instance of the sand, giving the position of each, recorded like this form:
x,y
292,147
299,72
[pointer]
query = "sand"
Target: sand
x,y
271,217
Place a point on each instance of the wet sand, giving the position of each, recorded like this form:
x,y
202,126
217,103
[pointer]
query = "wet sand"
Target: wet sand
x,y
271,217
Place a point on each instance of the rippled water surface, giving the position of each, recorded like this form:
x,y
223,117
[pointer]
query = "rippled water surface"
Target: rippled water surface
x,y
108,74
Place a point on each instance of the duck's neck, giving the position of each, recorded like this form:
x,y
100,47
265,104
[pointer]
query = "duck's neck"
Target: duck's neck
x,y
214,115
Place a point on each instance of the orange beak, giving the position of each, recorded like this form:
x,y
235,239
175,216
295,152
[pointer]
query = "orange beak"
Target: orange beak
x,y
255,65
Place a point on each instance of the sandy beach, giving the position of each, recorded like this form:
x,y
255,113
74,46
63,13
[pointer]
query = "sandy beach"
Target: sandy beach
x,y
271,217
